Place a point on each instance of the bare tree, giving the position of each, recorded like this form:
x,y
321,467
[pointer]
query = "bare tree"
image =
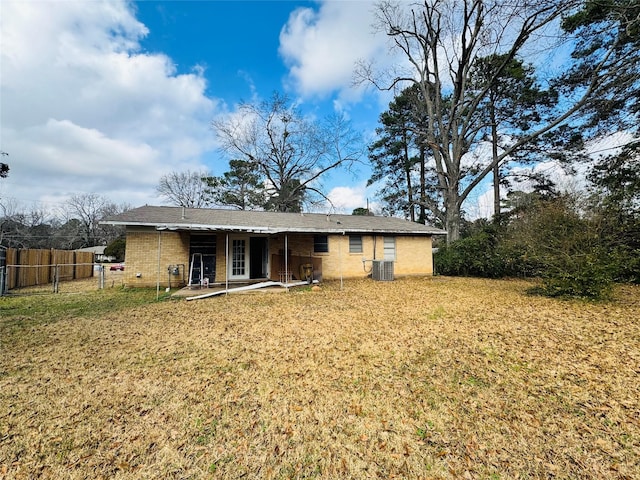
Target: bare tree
x,y
8,212
292,152
108,233
76,225
184,189
441,40
88,209
26,228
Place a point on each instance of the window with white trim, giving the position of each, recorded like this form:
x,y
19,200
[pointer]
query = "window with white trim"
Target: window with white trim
x,y
355,243
389,248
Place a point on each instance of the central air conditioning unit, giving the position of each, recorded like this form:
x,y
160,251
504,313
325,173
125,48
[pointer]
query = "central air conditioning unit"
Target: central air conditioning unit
x,y
382,270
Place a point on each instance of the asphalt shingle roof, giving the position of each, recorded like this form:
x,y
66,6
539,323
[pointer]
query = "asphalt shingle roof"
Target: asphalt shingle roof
x,y
203,219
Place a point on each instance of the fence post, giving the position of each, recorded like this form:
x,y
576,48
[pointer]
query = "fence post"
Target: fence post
x,y
19,279
101,277
56,275
3,275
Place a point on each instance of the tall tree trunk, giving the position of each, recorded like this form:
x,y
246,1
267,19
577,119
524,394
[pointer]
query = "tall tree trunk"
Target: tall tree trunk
x,y
496,166
453,217
423,186
407,173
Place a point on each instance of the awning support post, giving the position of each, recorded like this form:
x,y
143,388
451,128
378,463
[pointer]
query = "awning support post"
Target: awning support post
x,y
286,261
226,265
158,273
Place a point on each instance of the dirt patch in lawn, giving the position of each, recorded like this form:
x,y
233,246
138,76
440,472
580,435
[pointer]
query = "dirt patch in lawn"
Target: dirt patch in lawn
x,y
416,378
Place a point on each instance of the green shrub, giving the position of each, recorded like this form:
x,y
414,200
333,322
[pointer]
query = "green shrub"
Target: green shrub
x,y
116,249
625,264
576,252
471,256
484,254
589,276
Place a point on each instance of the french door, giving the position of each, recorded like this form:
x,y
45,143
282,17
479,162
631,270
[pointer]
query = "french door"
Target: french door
x,y
239,259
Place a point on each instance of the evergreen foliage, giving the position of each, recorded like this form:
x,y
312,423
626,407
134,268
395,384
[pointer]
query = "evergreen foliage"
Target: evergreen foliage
x,y
577,246
241,187
484,253
4,168
116,249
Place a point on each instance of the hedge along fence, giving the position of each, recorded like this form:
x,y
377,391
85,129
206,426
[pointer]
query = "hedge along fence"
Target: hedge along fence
x,y
27,267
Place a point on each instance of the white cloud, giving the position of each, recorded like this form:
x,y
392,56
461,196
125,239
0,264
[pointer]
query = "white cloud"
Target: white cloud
x,y
346,199
84,110
479,204
575,178
322,46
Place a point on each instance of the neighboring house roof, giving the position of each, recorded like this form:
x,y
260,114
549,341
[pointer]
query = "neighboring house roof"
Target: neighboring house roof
x,y
206,219
99,250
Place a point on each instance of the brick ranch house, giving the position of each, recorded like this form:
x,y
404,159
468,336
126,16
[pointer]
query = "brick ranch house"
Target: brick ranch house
x,y
175,246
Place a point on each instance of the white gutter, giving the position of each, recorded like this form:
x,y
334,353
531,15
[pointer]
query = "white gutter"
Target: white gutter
x,y
271,230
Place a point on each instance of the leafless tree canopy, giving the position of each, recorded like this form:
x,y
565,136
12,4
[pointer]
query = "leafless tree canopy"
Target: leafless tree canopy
x,y
290,151
88,209
75,224
439,41
184,189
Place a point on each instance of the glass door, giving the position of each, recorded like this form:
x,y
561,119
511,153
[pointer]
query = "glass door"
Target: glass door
x,y
239,261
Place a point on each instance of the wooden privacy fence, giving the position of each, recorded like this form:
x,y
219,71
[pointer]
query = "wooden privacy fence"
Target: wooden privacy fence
x,y
26,267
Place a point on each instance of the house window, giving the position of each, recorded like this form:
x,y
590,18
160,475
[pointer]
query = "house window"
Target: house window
x,y
389,248
321,244
355,243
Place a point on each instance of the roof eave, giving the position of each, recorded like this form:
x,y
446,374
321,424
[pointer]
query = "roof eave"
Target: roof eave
x,y
265,230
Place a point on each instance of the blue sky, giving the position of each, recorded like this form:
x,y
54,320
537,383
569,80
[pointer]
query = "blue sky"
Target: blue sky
x,y
110,95
235,41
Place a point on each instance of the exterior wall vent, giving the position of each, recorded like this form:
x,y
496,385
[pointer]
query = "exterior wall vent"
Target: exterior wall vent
x,y
382,270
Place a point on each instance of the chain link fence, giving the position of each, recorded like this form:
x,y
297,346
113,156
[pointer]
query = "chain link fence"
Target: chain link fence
x,y
33,271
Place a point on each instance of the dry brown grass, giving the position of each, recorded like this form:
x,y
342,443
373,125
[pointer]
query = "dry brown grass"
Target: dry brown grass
x,y
417,378
112,279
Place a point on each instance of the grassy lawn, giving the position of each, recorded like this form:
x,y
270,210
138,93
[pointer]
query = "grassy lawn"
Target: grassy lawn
x,y
437,378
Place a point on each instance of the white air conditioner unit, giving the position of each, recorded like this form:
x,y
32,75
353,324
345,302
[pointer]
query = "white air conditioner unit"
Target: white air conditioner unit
x,y
382,270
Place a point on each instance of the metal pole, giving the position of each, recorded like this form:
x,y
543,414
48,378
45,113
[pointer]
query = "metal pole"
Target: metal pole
x,y
286,261
56,278
340,258
226,265
3,269
158,274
